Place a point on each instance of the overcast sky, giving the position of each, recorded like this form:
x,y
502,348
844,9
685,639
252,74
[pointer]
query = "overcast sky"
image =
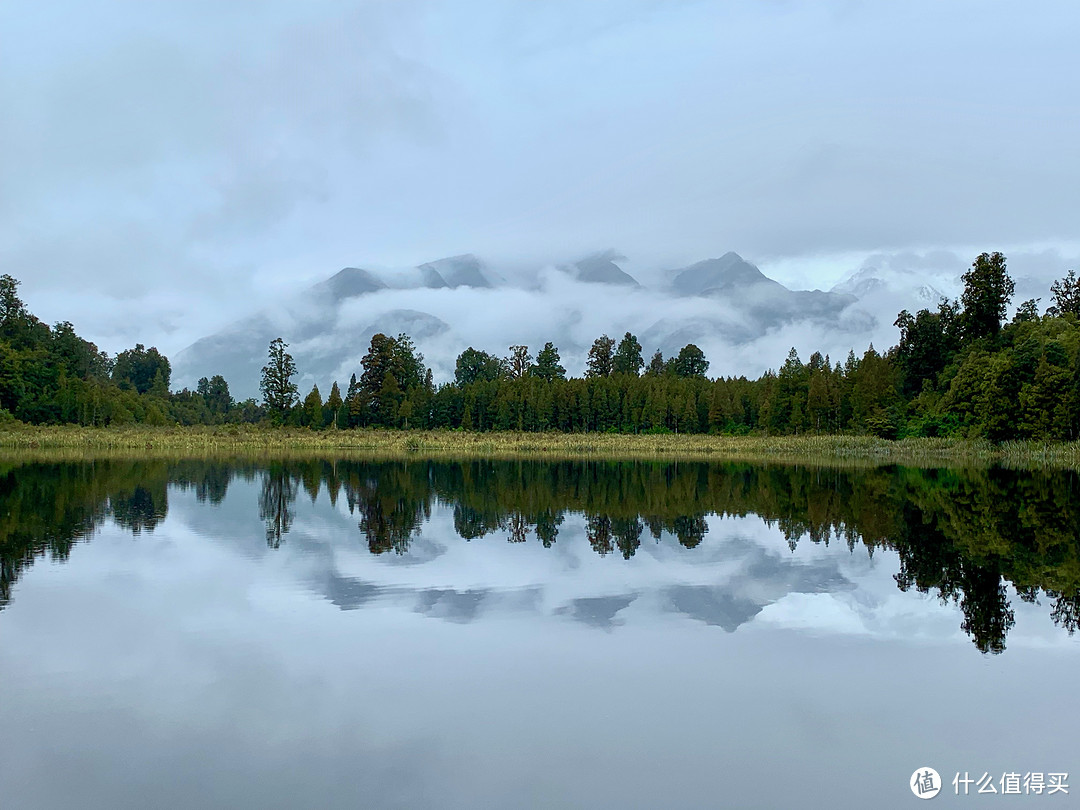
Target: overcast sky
x,y
167,167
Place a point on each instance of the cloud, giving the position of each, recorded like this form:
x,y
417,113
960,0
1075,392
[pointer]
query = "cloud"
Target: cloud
x,y
223,159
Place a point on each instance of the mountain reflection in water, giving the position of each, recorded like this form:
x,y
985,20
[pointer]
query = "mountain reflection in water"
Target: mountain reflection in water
x,y
969,536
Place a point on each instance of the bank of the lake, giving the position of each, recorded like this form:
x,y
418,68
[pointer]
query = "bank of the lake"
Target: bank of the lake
x,y
62,440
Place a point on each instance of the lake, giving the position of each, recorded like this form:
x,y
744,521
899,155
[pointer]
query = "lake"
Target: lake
x,y
526,634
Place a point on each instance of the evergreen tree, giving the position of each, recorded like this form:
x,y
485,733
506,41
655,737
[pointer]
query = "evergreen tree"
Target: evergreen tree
x,y
377,363
80,358
547,366
691,362
1044,413
518,363
474,365
922,352
392,369
387,403
312,409
1066,294
657,367
17,326
627,359
987,292
818,401
215,393
334,407
874,395
355,406
278,390
600,357
408,364
137,368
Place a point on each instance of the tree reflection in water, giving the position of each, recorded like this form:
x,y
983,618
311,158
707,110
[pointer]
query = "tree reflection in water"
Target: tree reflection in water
x,y
964,535
276,497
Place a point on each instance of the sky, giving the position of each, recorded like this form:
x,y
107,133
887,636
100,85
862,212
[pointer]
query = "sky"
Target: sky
x,y
166,168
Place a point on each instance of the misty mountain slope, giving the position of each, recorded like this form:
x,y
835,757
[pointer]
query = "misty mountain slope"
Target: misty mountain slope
x,y
325,349
431,278
747,290
724,336
459,271
347,283
873,280
602,269
728,273
671,334
237,352
743,320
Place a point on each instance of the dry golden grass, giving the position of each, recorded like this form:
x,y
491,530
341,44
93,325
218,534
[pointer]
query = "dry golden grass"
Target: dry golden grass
x,y
69,441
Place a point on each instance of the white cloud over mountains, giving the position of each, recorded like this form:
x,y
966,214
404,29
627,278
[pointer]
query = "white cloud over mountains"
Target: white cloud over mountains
x,y
168,168
743,321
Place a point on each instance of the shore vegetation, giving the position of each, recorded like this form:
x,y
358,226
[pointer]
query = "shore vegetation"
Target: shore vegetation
x,y
32,441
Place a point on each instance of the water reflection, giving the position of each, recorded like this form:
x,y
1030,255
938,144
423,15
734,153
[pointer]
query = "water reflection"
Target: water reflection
x,y
967,536
276,498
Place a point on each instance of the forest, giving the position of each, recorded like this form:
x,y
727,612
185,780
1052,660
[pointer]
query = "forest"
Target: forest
x,y
962,370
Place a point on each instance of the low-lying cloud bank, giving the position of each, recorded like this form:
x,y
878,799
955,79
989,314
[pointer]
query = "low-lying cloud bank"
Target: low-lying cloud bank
x,y
743,321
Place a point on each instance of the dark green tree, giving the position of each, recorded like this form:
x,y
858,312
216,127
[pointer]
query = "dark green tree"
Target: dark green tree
x,y
215,392
627,359
1027,311
381,361
987,292
519,362
691,362
17,325
657,367
278,390
311,412
79,357
474,365
377,363
408,365
334,406
547,366
1066,294
140,368
875,394
600,357
923,349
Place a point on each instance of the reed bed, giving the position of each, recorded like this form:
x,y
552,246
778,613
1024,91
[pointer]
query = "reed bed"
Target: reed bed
x,y
71,441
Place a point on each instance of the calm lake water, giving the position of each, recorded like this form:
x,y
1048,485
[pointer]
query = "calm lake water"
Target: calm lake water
x,y
533,635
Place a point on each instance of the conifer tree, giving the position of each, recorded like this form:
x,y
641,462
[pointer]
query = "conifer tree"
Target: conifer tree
x,y
333,409
987,292
627,359
278,390
657,367
547,366
691,362
312,409
600,357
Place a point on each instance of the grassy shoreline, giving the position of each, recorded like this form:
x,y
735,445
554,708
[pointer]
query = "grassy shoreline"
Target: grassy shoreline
x,y
68,441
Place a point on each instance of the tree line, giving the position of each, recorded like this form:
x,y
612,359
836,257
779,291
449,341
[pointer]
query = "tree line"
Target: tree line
x,y
960,370
50,375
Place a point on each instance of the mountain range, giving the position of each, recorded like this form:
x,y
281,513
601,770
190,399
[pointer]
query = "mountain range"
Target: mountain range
x,y
726,305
